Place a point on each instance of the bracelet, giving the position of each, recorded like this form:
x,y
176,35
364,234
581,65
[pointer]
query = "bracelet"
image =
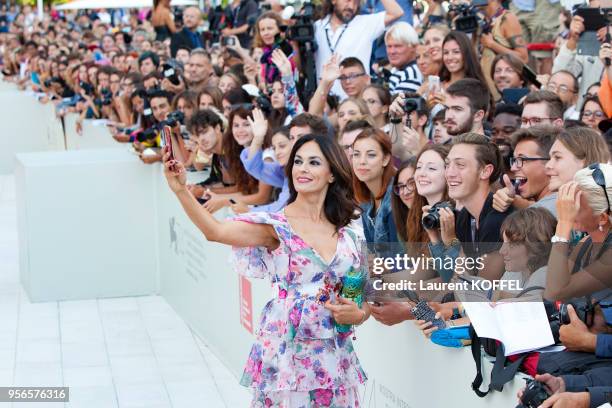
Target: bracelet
x,y
363,318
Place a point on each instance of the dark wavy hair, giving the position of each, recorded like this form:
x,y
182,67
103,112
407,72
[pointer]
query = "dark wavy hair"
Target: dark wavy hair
x,y
471,65
231,151
340,206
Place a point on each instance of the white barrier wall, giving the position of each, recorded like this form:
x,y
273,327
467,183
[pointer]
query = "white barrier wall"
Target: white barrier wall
x,y
28,126
87,224
95,134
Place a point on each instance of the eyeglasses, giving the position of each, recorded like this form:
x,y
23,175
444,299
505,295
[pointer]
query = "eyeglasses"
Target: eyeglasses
x,y
519,161
534,121
597,114
399,189
351,77
560,88
600,180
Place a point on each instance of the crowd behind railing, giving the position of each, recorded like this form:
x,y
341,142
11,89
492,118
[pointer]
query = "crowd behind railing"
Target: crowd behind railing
x,y
476,129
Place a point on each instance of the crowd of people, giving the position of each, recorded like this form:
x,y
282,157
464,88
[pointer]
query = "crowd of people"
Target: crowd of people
x,y
454,130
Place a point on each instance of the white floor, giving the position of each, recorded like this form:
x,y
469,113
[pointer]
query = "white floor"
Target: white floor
x,y
123,352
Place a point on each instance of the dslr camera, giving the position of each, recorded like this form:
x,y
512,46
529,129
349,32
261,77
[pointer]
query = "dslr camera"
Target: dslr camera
x,y
432,219
534,395
170,72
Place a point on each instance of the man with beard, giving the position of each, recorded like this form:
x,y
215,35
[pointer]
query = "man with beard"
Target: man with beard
x,y
347,34
467,104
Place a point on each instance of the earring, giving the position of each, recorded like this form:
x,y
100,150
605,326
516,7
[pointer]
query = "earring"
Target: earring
x,y
600,228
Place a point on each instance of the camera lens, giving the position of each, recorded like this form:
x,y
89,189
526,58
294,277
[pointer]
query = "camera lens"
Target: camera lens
x,y
431,221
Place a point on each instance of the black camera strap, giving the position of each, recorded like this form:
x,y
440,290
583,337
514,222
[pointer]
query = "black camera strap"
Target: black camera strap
x,y
329,44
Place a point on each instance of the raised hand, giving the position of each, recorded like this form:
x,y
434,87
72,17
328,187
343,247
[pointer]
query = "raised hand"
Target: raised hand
x,y
259,126
282,62
331,69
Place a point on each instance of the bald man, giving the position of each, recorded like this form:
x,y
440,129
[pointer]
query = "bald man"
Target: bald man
x,y
188,37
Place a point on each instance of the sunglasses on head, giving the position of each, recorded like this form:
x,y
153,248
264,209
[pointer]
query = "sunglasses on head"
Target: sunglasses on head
x,y
600,180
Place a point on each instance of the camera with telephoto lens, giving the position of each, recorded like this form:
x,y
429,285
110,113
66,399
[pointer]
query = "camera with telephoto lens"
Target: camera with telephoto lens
x,y
432,219
534,395
171,73
303,29
468,20
147,134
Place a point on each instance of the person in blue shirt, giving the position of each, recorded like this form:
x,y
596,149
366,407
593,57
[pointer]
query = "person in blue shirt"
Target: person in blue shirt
x,y
374,171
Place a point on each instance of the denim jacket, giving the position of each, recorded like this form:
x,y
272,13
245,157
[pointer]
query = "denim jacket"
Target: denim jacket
x,y
379,227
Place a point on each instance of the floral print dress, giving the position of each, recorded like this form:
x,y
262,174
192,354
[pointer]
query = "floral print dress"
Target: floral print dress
x,y
299,359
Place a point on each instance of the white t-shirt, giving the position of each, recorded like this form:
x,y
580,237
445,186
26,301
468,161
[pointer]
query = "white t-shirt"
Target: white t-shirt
x,y
349,40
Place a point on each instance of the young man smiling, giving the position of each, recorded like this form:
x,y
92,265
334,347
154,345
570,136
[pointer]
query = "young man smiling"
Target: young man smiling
x,y
531,147
472,166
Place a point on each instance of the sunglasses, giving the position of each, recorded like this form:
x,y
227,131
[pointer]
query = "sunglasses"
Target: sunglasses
x,y
600,180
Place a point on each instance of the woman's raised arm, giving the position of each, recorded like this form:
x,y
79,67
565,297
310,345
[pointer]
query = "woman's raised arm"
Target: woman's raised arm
x,y
235,233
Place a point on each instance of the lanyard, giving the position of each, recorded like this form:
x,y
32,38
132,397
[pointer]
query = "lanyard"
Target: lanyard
x,y
333,49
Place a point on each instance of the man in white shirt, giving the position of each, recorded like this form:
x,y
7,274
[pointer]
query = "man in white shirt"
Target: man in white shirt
x,y
343,32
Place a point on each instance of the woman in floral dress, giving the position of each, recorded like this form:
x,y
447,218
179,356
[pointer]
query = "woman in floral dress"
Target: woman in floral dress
x,y
300,358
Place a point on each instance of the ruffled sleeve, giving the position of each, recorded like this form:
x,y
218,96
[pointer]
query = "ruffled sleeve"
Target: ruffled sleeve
x,y
258,262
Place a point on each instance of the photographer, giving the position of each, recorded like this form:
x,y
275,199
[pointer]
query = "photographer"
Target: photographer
x,y
409,116
401,41
345,33
161,108
588,390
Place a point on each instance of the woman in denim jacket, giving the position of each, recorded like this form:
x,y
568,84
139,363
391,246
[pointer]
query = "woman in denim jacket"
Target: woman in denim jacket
x,y
374,171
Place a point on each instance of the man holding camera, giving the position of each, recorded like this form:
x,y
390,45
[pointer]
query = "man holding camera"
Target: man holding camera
x,y
160,106
593,387
347,34
587,68
409,116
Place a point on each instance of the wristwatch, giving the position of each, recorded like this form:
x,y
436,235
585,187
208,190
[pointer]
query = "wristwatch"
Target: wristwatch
x,y
556,238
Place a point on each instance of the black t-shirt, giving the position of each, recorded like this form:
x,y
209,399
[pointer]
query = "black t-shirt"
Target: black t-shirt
x,y
245,13
487,237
